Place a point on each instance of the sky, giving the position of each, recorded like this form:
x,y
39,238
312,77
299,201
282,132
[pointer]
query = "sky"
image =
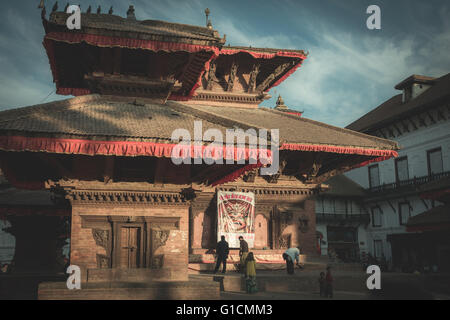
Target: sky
x,y
349,71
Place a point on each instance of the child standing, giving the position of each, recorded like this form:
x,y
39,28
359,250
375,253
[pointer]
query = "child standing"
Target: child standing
x,y
250,273
322,284
329,283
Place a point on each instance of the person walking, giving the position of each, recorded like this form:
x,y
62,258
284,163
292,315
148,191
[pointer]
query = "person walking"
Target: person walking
x,y
222,251
243,252
250,273
291,255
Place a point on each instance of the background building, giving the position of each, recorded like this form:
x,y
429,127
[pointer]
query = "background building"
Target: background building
x,y
341,220
418,119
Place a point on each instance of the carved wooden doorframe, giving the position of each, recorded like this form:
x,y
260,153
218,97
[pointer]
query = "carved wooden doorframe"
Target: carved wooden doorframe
x,y
118,245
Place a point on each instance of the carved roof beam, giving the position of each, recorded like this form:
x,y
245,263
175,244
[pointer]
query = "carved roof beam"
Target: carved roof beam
x,y
232,76
108,174
275,74
252,79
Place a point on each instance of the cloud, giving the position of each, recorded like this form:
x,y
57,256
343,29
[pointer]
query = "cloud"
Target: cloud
x,y
347,73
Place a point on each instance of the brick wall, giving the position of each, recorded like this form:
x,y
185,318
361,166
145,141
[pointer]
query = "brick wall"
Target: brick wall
x,y
84,248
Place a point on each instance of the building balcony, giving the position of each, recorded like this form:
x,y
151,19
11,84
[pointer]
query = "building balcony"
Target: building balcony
x,y
407,185
343,218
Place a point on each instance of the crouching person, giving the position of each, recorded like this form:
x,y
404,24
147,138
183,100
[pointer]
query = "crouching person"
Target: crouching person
x,y
291,255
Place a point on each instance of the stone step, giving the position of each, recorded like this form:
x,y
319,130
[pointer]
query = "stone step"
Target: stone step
x,y
300,282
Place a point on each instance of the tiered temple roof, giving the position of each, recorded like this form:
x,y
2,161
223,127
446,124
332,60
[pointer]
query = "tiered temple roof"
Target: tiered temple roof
x,y
125,70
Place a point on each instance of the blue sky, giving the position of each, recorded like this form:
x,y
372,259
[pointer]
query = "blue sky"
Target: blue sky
x,y
349,71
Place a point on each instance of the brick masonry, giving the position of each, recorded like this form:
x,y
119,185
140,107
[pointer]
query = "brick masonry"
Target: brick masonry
x,y
84,249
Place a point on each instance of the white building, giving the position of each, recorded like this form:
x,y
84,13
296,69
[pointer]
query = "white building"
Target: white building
x,y
418,119
342,220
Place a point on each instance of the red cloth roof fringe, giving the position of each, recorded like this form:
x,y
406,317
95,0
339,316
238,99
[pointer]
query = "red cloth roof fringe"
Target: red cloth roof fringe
x,y
105,41
337,149
264,55
127,148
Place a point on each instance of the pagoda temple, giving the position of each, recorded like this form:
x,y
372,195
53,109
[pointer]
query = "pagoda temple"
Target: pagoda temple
x,y
105,155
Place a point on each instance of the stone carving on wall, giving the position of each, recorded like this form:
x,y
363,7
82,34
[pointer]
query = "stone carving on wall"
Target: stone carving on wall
x,y
159,239
101,237
103,261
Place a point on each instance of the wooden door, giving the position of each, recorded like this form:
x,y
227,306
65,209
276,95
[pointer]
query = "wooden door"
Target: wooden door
x,y
130,247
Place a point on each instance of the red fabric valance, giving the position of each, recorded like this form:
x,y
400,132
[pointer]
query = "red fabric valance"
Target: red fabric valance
x,y
73,91
105,41
125,148
136,148
338,149
264,55
299,114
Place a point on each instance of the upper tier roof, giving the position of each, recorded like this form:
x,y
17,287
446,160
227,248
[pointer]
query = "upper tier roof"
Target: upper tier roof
x,y
393,109
113,25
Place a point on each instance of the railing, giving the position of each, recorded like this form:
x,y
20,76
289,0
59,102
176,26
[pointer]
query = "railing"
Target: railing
x,y
343,217
409,183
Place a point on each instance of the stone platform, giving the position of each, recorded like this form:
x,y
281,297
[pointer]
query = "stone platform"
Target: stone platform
x,y
194,289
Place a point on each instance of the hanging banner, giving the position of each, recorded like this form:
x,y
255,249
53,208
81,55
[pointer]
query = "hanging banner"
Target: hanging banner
x,y
236,217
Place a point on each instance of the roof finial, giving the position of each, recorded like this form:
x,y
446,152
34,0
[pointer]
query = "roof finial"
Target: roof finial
x,y
130,13
89,9
111,10
66,7
207,12
41,5
55,6
99,10
280,103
